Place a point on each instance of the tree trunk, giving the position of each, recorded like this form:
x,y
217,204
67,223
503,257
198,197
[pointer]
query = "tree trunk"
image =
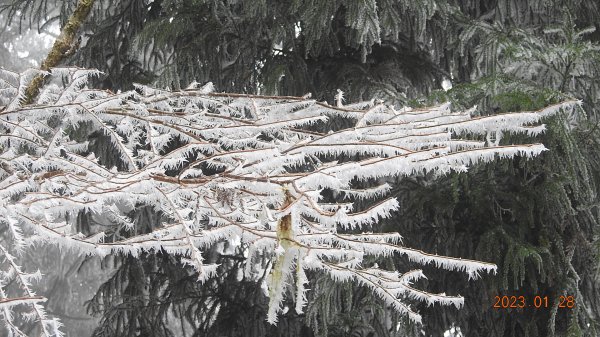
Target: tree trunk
x,y
64,45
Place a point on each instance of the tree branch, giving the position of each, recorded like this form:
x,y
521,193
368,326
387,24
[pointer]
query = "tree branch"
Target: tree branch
x,y
63,45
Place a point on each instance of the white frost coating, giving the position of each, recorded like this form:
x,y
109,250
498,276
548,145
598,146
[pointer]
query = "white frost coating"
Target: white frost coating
x,y
242,169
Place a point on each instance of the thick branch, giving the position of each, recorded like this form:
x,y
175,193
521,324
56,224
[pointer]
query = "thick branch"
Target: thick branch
x,y
63,46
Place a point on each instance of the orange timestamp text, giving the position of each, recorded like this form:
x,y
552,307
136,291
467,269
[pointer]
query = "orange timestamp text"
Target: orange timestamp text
x,y
535,302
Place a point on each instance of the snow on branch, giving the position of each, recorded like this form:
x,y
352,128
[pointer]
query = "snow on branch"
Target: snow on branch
x,y
243,168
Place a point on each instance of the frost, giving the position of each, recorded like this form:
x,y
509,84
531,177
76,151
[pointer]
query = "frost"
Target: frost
x,y
246,172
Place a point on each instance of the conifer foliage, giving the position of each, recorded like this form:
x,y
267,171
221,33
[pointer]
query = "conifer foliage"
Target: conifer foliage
x,y
249,170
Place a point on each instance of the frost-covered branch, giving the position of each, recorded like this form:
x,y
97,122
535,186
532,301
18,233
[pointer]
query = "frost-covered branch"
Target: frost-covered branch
x,y
239,168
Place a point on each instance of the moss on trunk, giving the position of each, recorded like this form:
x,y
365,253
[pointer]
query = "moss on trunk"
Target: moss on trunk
x,y
63,44
285,237
284,226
